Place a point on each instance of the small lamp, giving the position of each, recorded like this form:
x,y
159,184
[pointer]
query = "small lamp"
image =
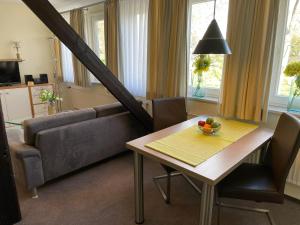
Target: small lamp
x,y
213,41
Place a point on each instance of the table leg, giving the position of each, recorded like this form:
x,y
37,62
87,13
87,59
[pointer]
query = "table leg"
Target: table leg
x,y
138,188
207,204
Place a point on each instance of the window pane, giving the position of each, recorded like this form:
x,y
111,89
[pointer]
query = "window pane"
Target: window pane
x,y
291,51
100,40
66,58
99,43
201,16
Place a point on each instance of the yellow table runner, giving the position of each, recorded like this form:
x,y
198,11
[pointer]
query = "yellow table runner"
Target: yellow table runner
x,y
193,147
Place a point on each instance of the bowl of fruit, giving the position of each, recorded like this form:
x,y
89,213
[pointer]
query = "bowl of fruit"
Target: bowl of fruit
x,y
209,126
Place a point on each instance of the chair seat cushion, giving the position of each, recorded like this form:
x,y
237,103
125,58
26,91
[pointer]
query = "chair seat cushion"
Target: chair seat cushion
x,y
251,182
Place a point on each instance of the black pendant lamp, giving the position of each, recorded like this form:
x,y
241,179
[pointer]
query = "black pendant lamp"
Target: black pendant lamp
x,y
213,41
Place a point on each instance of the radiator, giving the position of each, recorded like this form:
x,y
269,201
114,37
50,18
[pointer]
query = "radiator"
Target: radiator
x,y
294,175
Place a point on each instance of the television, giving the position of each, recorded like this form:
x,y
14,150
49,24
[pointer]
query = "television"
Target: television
x,y
9,73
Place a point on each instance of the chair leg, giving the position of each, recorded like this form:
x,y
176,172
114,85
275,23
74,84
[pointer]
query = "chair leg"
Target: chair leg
x,y
191,183
244,208
219,214
168,188
167,194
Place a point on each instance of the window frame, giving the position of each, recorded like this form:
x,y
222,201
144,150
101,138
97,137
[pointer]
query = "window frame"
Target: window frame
x,y
210,93
91,33
278,101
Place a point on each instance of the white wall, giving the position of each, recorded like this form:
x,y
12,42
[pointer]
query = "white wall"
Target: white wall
x,y
79,98
18,23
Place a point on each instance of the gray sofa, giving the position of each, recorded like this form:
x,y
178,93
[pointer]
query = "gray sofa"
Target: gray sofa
x,y
57,145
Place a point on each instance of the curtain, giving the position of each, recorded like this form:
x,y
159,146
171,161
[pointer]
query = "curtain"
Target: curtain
x,y
133,20
247,72
111,35
57,58
77,21
167,44
66,58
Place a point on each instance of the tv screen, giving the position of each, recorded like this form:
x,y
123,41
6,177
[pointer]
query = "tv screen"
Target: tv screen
x,y
9,72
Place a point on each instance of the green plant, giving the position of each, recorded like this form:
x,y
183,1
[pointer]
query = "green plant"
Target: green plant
x,y
292,69
49,96
201,64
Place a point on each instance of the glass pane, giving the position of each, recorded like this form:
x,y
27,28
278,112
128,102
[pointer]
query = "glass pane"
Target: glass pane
x,y
99,44
201,16
100,40
291,51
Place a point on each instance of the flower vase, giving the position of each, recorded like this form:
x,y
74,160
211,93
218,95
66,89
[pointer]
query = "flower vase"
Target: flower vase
x,y
294,103
51,108
199,92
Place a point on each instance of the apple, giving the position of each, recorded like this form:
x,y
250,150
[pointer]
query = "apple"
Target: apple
x,y
201,123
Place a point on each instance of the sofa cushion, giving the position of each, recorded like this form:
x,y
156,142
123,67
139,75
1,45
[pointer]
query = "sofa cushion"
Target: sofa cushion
x,y
111,109
33,126
80,144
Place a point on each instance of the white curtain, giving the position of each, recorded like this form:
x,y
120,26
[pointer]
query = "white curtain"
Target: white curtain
x,y
133,45
66,58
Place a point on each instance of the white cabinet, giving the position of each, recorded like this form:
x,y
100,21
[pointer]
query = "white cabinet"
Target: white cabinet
x,y
16,103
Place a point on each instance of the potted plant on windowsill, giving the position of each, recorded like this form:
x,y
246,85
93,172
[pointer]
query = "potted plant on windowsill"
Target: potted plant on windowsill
x,y
293,70
49,97
201,64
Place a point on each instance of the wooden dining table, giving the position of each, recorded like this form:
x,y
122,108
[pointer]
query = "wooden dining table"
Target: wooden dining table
x,y
210,172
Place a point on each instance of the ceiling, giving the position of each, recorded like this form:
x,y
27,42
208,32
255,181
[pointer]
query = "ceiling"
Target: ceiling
x,y
62,5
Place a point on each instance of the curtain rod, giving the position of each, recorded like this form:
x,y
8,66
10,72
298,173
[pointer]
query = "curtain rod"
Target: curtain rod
x,y
83,7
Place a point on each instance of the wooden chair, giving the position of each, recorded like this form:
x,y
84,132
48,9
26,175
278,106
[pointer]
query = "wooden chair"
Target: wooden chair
x,y
265,182
168,112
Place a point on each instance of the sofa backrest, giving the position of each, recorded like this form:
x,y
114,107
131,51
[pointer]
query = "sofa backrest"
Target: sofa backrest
x,y
111,109
34,126
80,144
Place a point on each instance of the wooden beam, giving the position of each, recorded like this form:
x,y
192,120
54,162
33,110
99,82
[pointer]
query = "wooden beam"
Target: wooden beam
x,y
9,205
56,23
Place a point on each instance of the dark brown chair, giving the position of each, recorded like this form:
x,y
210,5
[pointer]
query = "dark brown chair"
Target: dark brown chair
x,y
265,182
168,112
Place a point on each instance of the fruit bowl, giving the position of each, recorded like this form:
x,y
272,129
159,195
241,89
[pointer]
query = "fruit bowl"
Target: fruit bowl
x,y
209,127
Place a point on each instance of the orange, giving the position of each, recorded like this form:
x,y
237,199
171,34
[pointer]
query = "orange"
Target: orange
x,y
207,125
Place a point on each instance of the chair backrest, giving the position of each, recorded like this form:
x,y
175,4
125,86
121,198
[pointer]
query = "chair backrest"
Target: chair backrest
x,y
284,148
168,112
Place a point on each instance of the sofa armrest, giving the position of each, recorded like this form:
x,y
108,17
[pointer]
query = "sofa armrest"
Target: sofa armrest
x,y
28,167
24,151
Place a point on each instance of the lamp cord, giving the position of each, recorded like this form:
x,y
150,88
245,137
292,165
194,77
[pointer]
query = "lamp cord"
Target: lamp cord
x,y
215,9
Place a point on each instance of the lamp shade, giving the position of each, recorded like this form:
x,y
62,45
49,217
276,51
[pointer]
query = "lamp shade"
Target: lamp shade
x,y
212,41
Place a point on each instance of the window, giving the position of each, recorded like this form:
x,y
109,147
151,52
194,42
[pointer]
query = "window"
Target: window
x,y
287,50
201,14
133,45
66,58
95,34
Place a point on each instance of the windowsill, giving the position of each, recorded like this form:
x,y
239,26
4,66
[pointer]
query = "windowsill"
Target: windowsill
x,y
211,100
279,110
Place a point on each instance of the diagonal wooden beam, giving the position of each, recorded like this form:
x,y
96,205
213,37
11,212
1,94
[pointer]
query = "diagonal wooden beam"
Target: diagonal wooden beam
x,y
56,23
